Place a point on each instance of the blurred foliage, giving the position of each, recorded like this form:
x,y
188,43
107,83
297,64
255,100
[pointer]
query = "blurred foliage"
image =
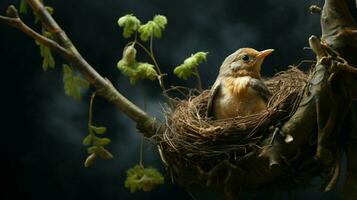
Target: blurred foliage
x,y
145,179
46,53
72,83
23,7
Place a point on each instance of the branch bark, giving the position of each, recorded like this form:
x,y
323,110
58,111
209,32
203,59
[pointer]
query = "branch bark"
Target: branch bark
x,y
63,45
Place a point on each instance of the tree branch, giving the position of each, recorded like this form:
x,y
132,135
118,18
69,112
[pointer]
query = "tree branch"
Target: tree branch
x,y
16,22
339,29
65,47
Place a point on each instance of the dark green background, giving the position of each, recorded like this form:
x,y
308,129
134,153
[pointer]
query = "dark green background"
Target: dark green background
x,y
41,131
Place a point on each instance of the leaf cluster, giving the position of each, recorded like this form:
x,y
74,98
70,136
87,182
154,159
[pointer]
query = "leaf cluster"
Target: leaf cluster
x,y
153,28
190,64
73,84
46,53
135,70
96,145
145,179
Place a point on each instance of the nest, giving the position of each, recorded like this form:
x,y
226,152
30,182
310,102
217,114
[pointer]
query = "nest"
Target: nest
x,y
192,142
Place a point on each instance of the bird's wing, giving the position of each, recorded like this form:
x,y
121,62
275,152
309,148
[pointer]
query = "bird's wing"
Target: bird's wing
x,y
214,90
261,88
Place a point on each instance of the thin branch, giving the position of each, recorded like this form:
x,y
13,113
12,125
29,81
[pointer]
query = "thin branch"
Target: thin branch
x,y
199,81
65,47
17,23
152,57
90,112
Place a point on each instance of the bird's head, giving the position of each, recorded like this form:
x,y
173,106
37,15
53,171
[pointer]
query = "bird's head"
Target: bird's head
x,y
244,62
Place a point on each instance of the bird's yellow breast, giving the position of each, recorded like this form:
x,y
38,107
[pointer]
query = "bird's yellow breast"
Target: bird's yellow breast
x,y
237,86
237,98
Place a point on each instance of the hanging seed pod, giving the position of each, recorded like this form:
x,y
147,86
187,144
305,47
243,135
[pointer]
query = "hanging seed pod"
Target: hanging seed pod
x,y
90,160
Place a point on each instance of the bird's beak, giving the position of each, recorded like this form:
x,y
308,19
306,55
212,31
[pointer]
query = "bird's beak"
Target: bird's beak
x,y
264,53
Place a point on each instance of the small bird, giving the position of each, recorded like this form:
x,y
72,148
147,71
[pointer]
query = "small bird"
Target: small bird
x,y
239,90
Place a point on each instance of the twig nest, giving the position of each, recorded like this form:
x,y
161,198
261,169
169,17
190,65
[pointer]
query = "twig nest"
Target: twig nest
x,y
193,143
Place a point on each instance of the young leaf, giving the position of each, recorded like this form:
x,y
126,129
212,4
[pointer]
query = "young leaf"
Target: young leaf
x,y
146,71
99,130
148,30
185,70
73,84
128,70
23,7
104,154
129,23
101,141
161,21
46,53
140,178
87,140
49,9
153,28
92,149
135,70
48,60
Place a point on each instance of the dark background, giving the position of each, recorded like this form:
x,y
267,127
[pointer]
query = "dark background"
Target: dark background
x,y
42,129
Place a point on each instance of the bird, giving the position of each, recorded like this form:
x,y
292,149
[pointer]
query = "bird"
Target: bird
x,y
239,89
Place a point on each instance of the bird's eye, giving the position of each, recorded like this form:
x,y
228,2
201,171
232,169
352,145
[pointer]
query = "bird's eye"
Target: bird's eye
x,y
245,58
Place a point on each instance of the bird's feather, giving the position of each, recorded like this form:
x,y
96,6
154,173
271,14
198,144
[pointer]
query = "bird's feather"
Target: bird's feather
x,y
214,90
261,88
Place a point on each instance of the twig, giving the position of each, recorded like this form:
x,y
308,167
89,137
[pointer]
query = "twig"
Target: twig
x,y
65,47
152,57
16,22
90,112
199,81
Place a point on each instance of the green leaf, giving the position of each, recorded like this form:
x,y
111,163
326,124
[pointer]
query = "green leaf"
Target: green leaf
x,y
135,70
73,84
99,130
23,7
129,23
145,179
187,69
153,28
101,141
104,154
128,70
46,53
161,21
148,30
48,60
49,9
87,140
92,149
146,71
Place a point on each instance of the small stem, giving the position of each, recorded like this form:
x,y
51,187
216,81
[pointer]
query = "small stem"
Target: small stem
x,y
141,151
152,57
142,138
90,113
199,81
150,54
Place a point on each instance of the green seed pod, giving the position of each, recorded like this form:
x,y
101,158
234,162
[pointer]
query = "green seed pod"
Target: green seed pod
x,y
90,160
104,154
